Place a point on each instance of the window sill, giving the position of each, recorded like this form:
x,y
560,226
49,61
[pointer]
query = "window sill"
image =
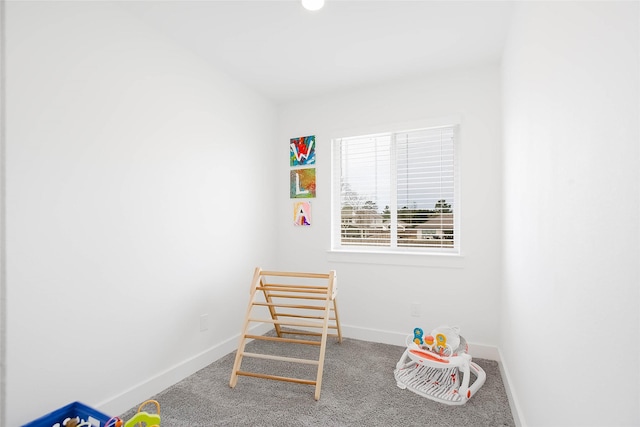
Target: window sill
x,y
444,260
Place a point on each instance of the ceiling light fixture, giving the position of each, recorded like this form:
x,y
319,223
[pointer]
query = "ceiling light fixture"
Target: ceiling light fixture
x,y
313,4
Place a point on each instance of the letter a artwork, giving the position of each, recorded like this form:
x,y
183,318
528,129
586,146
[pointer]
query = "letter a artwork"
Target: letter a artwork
x,y
302,213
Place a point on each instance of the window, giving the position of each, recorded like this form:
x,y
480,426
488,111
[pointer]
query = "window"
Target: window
x,y
396,192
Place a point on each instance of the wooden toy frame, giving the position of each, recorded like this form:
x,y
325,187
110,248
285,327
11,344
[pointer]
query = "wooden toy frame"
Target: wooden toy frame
x,y
304,301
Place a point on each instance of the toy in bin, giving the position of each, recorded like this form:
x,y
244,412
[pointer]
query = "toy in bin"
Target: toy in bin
x,y
140,419
75,414
439,367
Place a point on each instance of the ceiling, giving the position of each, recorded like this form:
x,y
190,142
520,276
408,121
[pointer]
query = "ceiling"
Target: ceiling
x,y
287,53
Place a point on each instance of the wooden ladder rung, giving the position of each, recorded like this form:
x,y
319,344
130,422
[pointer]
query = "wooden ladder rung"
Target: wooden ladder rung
x,y
309,297
310,334
300,316
293,285
298,289
315,334
287,323
290,340
281,358
276,377
300,306
291,274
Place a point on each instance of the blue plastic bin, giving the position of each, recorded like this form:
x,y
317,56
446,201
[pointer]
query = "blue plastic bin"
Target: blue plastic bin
x,y
72,410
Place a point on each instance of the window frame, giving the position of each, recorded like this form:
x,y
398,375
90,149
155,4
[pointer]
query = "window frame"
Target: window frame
x,y
393,255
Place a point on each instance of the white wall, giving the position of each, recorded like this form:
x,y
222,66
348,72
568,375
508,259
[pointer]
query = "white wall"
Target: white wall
x,y
133,178
3,288
571,195
375,297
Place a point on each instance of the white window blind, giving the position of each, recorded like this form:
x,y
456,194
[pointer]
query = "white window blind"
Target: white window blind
x,y
396,191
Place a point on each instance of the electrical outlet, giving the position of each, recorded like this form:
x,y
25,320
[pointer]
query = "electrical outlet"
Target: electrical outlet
x,y
204,322
414,309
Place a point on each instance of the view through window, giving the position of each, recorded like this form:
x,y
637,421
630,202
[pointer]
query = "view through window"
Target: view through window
x,y
396,191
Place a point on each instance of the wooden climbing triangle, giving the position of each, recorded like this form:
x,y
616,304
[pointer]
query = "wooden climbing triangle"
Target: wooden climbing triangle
x,y
301,304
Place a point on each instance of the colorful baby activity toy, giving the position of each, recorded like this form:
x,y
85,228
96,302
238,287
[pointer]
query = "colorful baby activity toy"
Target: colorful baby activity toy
x,y
439,367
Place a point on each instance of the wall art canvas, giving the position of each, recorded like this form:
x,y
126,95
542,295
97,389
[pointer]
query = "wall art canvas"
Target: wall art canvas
x,y
302,151
302,213
302,183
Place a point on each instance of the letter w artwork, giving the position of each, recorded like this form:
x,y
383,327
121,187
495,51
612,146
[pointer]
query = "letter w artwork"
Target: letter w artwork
x,y
303,151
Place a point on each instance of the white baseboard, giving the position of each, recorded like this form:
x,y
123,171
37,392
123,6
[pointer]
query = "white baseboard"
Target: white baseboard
x,y
137,394
511,394
373,335
480,351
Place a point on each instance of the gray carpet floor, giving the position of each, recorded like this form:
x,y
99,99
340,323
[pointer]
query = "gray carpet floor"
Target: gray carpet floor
x,y
358,389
